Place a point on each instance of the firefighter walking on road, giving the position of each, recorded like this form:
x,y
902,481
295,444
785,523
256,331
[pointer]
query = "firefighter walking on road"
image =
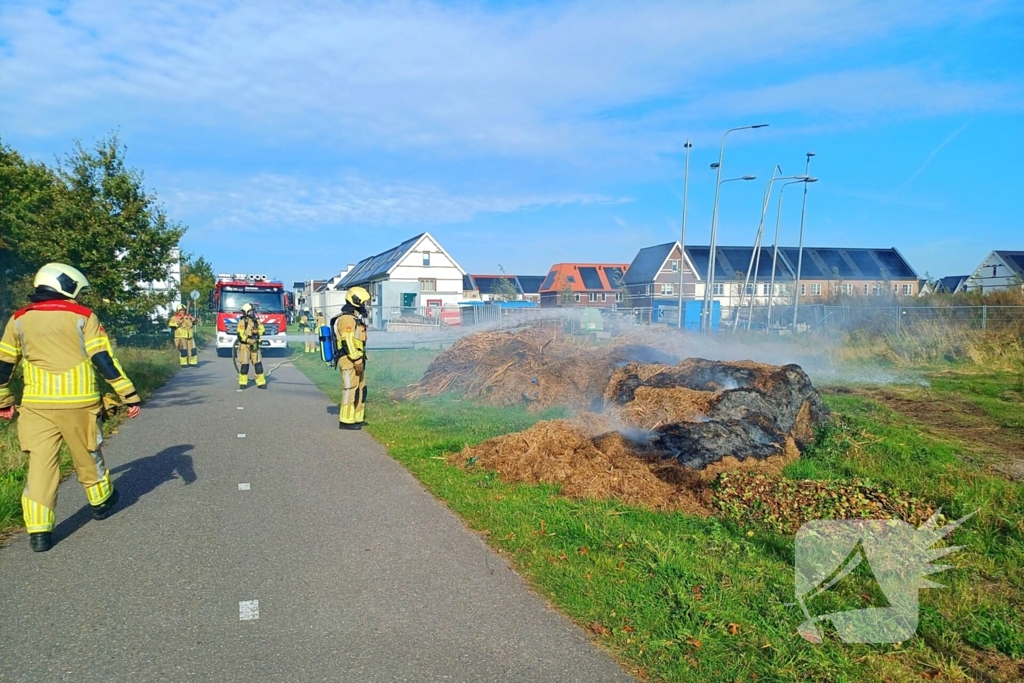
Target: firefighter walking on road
x,y
60,345
184,339
306,329
250,329
350,330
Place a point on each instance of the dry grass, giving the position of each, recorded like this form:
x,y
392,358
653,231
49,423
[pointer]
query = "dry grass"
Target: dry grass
x,y
936,342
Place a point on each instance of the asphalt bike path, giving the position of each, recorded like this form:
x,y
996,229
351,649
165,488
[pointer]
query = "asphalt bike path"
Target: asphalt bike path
x,y
255,541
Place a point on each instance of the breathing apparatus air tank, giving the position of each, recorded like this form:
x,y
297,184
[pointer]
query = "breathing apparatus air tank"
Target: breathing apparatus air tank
x,y
328,346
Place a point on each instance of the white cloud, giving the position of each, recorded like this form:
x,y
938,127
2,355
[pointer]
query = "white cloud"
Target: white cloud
x,y
537,81
275,202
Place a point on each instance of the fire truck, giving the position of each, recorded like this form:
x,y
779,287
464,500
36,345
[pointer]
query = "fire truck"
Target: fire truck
x,y
232,291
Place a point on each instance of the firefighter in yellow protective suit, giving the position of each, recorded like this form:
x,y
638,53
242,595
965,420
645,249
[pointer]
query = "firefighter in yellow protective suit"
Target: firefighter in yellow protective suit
x,y
250,329
182,324
306,329
60,345
319,321
350,330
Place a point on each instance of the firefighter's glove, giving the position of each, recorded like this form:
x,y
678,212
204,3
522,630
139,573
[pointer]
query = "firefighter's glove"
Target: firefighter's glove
x,y
7,413
134,410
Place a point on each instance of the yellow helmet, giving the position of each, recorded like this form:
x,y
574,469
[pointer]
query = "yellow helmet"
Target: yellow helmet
x,y
246,308
357,296
60,278
181,307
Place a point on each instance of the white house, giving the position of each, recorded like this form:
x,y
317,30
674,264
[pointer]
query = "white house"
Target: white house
x,y
418,277
171,284
327,298
1001,270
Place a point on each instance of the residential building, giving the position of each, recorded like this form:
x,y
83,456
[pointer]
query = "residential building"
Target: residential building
x,y
653,280
1000,271
951,284
172,285
826,272
417,277
327,298
583,284
488,287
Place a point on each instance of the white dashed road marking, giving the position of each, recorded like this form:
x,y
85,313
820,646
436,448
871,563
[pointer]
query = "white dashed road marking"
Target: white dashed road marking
x,y
241,436
248,610
243,487
241,407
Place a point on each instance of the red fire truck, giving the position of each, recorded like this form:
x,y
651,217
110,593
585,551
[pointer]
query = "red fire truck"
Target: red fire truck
x,y
231,292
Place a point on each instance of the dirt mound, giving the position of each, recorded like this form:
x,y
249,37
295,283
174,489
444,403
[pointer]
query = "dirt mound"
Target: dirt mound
x,y
540,366
701,411
587,459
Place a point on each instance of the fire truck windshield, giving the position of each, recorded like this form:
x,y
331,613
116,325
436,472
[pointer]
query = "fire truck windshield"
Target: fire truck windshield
x,y
265,300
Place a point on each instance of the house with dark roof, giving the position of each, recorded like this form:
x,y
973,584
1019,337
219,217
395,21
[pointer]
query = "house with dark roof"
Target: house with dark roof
x,y
583,284
656,275
951,284
416,277
1000,271
490,287
824,272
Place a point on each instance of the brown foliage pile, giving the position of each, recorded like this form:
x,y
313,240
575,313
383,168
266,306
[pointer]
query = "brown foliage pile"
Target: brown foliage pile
x,y
539,365
587,458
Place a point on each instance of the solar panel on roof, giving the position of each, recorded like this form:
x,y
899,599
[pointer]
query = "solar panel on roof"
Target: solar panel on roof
x,y
894,264
867,265
614,276
549,280
1016,259
835,263
591,279
808,269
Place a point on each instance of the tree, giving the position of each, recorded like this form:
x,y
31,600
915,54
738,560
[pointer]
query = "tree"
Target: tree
x,y
504,289
104,222
567,296
27,191
197,274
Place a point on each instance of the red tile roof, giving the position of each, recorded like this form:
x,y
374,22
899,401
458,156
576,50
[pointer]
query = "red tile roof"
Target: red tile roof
x,y
584,277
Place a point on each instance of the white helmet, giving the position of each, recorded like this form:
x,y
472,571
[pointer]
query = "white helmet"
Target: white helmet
x,y
246,308
181,307
60,278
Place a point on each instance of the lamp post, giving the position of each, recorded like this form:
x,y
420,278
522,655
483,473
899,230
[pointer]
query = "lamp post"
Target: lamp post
x,y
800,251
755,265
775,249
705,312
682,238
709,296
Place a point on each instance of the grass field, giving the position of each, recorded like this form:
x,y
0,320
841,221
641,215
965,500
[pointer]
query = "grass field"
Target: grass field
x,y
679,598
148,369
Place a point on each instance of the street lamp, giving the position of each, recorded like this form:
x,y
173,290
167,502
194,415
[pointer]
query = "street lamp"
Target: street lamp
x,y
800,253
775,249
710,284
705,313
682,238
755,265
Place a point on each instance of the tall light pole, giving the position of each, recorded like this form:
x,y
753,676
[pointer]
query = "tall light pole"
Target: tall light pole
x,y
755,256
775,249
709,285
682,238
707,306
800,252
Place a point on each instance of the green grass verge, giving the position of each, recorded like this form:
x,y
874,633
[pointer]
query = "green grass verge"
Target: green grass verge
x,y
680,598
148,369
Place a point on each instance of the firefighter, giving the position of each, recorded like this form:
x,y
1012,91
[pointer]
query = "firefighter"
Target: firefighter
x,y
250,329
319,320
350,329
305,329
182,324
60,344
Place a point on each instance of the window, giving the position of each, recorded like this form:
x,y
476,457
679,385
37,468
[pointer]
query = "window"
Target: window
x,y
675,266
593,297
604,297
426,259
428,285
571,279
847,288
865,289
618,296
577,297
876,290
907,289
750,290
764,288
718,289
815,289
666,289
803,289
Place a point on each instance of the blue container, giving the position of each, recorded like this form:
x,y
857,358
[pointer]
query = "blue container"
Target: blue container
x,y
327,344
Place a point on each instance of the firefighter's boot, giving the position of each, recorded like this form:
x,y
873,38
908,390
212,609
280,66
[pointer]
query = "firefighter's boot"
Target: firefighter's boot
x,y
41,542
261,379
183,357
106,508
193,358
243,381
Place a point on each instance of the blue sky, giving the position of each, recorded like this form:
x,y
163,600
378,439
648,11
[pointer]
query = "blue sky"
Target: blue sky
x,y
295,137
